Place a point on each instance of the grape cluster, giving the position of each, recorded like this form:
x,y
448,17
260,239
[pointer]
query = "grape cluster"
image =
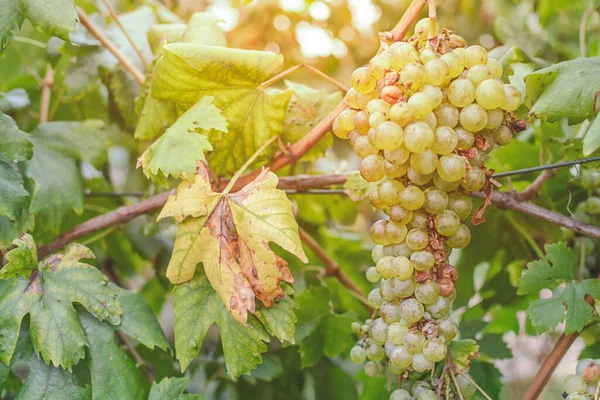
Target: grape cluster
x,y
422,390
585,383
423,116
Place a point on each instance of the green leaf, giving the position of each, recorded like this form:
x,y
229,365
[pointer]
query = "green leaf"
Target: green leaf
x,y
186,72
49,383
137,24
196,307
56,17
307,107
21,260
171,389
11,18
14,142
487,377
12,191
77,74
591,141
202,28
279,320
48,298
331,382
548,274
124,90
16,99
566,89
177,152
114,375
463,351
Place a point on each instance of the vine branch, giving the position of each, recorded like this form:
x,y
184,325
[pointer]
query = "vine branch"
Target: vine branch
x,y
532,190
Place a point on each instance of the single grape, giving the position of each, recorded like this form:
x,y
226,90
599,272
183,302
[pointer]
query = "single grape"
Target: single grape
x,y
372,275
386,291
414,341
424,163
419,220
574,384
384,267
437,72
473,180
372,369
502,135
434,93
422,29
404,288
461,238
421,104
435,349
346,119
417,239
513,98
396,332
395,171
390,312
363,148
412,198
401,54
440,308
443,185
389,191
411,310
355,326
359,101
378,234
418,136
378,253
447,115
478,74
451,167
445,140
436,200
373,195
401,113
495,68
422,260
495,118
401,249
402,268
467,389
460,204
398,156
447,223
378,333
417,178
401,357
478,159
379,64
374,298
473,117
358,355
376,119
400,394
361,122
421,364
338,130
387,136
490,94
400,215
461,93
455,64
430,120
426,293
475,55
420,387
455,41
465,138
447,329
372,168
413,75
428,395
395,233
378,106
363,81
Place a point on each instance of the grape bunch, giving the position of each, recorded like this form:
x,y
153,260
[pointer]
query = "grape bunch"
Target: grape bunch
x,y
423,116
422,390
585,383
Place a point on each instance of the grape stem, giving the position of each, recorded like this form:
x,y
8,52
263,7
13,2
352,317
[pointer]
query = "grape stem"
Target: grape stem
x,y
433,29
460,396
312,69
46,92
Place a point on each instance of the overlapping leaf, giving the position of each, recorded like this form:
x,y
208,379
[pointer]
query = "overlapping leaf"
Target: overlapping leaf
x,y
230,235
171,389
14,143
56,17
463,351
13,194
11,18
22,260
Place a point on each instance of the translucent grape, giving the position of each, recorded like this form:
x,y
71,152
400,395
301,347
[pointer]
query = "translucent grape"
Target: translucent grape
x,y
412,198
461,238
495,118
417,239
421,104
378,106
425,162
401,54
378,235
451,167
427,54
390,312
402,268
502,135
376,119
460,204
420,363
455,41
363,81
379,64
444,185
513,98
422,260
372,275
384,267
400,394
400,215
435,349
395,171
358,355
398,156
466,387
495,68
455,64
417,178
475,55
478,159
374,298
396,332
490,94
461,93
447,223
440,308
430,120
437,72
414,341
419,220
346,119
478,74
395,233
418,136
363,148
445,140
447,115
404,288
473,180
387,136
338,130
361,122
413,75
422,29
465,138
372,368
574,384
411,310
426,293
401,357
378,333
371,168
420,387
428,395
389,191
447,329
436,201
434,93
473,117
373,195
401,113
385,289
359,100
377,253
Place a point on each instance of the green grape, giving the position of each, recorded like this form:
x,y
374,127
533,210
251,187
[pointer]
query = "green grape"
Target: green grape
x,y
378,106
338,130
445,140
400,215
502,135
513,98
402,268
412,198
373,195
361,122
371,168
447,329
455,64
466,387
421,364
411,310
443,185
426,293
363,81
401,54
394,369
376,119
422,29
359,101
426,55
475,55
372,275
490,94
419,220
447,115
440,308
495,68
372,369
495,118
401,357
387,136
390,312
461,93
465,138
422,260
479,158
428,395
400,394
396,332
473,180
358,355
435,349
398,156
379,335
378,253
346,119
417,239
447,223
414,341
455,41
384,267
418,136
437,72
478,74
363,148
395,171
395,233
389,191
379,64
436,200
592,205
401,113
430,120
574,384
451,167
461,238
421,104
420,387
385,289
434,93
413,75
378,234
424,163
374,298
460,204
473,118
404,288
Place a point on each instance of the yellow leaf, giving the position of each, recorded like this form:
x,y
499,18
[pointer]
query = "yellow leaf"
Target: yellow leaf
x,y
230,235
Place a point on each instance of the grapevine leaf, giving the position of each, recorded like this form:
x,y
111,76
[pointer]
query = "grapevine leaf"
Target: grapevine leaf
x,y
15,99
14,142
47,296
171,389
307,107
591,141
279,320
56,17
178,151
356,187
196,307
202,28
566,89
114,375
487,377
12,192
137,23
124,90
541,274
230,235
9,230
463,351
21,260
186,72
50,383
11,18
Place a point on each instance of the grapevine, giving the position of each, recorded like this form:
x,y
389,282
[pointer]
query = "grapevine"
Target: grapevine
x,y
423,116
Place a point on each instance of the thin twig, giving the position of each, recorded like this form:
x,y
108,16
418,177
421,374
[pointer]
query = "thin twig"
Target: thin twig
x,y
114,15
248,162
582,27
467,377
110,46
46,92
460,396
30,41
139,361
312,69
534,187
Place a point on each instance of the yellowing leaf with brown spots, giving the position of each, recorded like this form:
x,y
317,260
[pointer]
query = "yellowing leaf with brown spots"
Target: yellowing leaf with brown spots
x,y
230,235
